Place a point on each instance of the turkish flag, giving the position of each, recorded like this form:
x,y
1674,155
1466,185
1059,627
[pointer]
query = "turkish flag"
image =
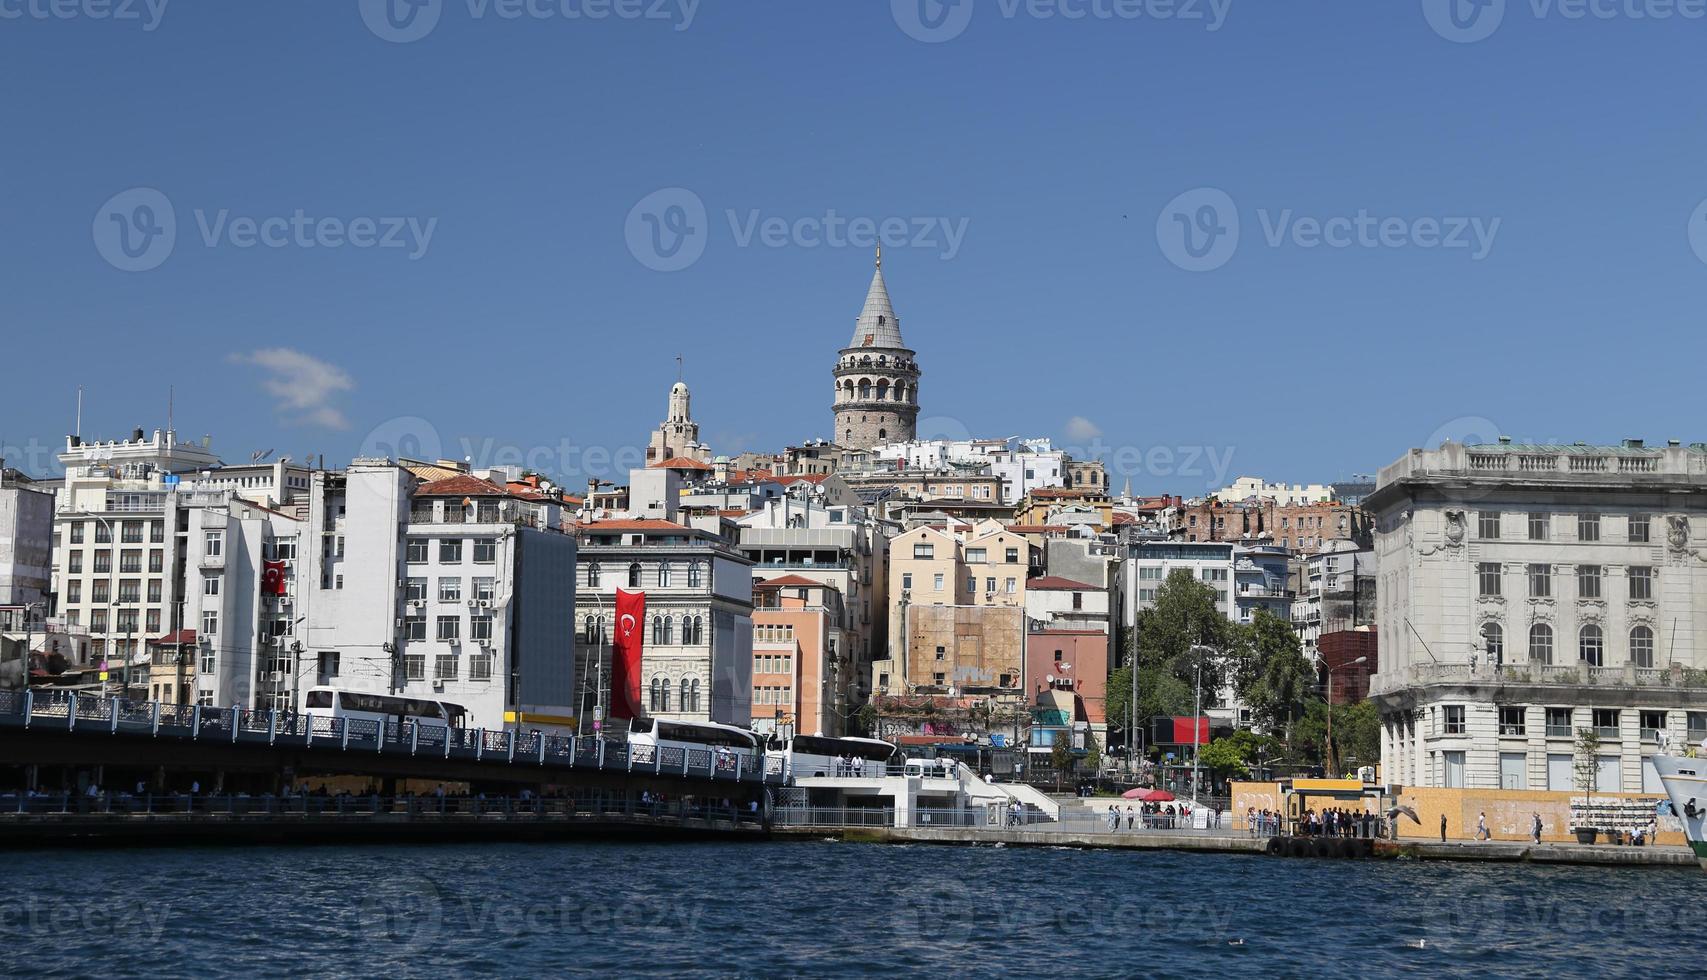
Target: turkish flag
x,y
626,648
273,578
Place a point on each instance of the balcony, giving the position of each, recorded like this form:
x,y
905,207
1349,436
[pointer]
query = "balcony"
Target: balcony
x,y
1675,677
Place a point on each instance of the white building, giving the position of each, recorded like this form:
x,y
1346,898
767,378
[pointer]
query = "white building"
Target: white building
x,y
1338,593
1286,495
26,568
1527,592
459,590
1149,563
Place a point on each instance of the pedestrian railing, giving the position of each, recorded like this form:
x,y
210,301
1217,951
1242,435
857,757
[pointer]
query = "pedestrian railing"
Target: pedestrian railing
x,y
83,714
833,817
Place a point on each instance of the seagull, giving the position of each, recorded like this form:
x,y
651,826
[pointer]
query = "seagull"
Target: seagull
x,y
1419,944
1235,942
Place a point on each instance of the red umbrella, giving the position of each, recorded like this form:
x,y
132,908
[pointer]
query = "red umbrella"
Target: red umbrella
x,y
1148,795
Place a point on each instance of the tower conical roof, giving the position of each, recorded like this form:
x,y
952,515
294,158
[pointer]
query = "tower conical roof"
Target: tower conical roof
x,y
877,325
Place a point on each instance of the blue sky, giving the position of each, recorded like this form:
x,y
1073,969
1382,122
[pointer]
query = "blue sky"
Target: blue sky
x,y
1524,263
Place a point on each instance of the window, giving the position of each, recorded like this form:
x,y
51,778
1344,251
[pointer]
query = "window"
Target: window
x,y
485,551
103,561
153,621
103,533
1540,581
1653,722
416,551
697,637
634,575
972,583
131,532
1591,647
1452,764
157,532
593,574
1540,644
415,589
480,629
692,702
444,666
156,561
1638,528
1514,770
1493,641
1488,525
154,590
450,551
938,582
415,666
1559,723
76,534
485,589
1642,647
450,590
593,629
1697,724
1454,718
939,679
74,562
1588,581
1078,597
210,622
696,575
1606,723
1488,578
130,561
98,620
906,580
415,628
990,585
1641,583
1512,720
665,575
101,591
660,694
1538,526
1588,527
210,585
74,591
923,549
449,629
658,630
480,667
976,556
1013,556
213,543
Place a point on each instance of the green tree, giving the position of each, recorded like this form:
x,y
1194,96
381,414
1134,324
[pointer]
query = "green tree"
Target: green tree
x,y
1273,676
1356,734
1224,759
1061,756
1093,754
1587,763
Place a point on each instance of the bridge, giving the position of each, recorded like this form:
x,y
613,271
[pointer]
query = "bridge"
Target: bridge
x,y
63,745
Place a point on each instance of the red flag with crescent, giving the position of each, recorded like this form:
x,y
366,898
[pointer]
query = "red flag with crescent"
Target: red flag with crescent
x,y
626,647
273,578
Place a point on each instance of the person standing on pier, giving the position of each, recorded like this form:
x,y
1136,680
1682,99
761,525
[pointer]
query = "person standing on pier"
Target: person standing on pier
x,y
1443,828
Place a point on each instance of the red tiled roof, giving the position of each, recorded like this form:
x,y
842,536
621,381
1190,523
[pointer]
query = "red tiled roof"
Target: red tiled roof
x,y
173,639
461,486
1121,517
1055,583
788,581
808,477
643,524
680,463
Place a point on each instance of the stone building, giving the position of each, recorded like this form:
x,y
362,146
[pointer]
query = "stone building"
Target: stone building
x,y
1527,592
678,435
877,379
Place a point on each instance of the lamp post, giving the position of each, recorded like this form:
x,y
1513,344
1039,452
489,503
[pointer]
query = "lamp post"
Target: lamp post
x,y
1197,715
1333,757
112,596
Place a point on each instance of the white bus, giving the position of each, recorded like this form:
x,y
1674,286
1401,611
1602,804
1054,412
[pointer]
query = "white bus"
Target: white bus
x,y
328,702
816,755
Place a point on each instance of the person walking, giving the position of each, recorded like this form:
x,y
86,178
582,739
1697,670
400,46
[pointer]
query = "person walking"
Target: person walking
x,y
1535,827
1482,825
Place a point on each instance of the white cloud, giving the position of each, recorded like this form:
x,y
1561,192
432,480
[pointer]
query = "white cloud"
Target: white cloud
x,y
302,386
1081,429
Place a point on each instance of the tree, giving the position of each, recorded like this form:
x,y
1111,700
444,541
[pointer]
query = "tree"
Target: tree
x,y
1587,764
1224,759
1356,733
1187,614
1274,677
1061,755
1093,754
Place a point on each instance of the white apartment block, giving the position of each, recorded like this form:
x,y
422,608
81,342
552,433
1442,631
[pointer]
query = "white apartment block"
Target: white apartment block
x,y
1530,591
1338,587
1286,495
460,590
1149,563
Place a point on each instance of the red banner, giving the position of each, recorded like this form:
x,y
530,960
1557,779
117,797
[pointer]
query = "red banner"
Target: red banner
x,y
626,647
1183,731
272,578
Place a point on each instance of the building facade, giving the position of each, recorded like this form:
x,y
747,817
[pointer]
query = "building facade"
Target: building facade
x,y
1528,592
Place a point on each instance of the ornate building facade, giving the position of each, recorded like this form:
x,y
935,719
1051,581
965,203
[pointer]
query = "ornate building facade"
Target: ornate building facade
x,y
877,378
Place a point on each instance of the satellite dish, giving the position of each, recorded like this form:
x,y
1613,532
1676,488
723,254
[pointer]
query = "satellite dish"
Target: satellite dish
x,y
1049,678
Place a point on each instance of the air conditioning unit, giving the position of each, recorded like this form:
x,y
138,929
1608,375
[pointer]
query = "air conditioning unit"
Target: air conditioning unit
x,y
438,684
417,603
486,603
276,676
473,602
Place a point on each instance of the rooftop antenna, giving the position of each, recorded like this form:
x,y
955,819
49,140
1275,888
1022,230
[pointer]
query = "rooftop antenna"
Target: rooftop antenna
x,y
678,369
171,431
78,431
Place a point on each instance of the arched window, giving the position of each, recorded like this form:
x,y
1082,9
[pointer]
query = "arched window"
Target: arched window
x,y
864,388
882,433
657,686
883,389
1493,641
1540,644
686,698
692,697
664,694
693,632
1642,646
658,630
1591,646
695,571
634,575
669,631
593,574
665,575
591,626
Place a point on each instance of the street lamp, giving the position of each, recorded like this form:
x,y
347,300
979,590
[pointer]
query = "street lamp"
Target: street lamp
x,y
1333,757
112,599
1197,714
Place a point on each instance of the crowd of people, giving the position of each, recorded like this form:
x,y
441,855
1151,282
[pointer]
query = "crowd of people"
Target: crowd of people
x,y
1339,822
1156,816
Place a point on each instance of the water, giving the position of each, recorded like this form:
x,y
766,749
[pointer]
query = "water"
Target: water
x,y
828,909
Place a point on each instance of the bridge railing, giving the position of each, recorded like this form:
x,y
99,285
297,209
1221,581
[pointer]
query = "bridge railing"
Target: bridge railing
x,y
85,713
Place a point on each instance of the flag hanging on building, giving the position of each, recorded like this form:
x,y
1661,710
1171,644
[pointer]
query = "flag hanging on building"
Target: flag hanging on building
x,y
625,654
273,578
